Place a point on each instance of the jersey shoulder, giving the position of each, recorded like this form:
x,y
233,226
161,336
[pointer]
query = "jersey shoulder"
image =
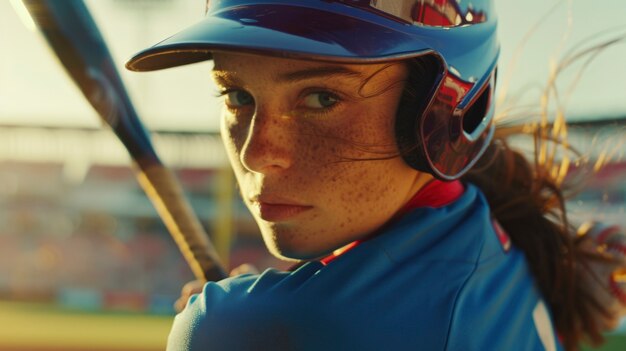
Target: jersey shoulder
x,y
247,312
500,306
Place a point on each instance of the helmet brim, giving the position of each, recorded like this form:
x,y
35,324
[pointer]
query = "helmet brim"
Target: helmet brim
x,y
332,31
285,31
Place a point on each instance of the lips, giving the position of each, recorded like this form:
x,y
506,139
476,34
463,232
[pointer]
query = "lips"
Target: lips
x,y
275,209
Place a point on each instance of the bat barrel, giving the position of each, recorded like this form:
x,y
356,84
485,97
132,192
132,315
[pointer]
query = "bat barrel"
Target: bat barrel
x,y
160,184
75,39
73,35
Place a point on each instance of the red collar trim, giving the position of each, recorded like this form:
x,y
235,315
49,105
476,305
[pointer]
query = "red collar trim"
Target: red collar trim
x,y
434,194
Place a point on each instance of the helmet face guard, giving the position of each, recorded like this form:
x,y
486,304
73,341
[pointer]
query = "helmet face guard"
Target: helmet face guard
x,y
449,133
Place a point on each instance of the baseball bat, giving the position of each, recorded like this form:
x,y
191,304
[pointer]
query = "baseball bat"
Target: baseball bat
x,y
71,32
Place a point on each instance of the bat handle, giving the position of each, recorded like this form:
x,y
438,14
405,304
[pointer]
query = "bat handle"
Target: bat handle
x,y
167,196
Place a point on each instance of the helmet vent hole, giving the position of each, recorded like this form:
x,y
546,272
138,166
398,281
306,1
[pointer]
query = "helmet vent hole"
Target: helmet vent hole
x,y
476,113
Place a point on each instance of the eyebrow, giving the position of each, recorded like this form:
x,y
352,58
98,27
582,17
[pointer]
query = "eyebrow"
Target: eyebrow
x,y
225,78
318,72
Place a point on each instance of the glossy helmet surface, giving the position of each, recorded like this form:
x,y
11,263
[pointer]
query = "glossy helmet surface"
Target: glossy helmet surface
x,y
451,129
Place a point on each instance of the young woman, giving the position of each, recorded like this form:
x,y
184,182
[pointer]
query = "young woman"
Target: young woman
x,y
361,134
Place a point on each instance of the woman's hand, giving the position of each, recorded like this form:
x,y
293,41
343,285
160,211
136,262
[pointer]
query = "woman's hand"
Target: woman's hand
x,y
195,286
191,288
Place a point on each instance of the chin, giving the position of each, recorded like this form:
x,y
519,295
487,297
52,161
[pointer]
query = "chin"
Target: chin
x,y
292,250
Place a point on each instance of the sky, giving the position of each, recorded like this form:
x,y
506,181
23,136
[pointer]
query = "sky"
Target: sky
x,y
34,90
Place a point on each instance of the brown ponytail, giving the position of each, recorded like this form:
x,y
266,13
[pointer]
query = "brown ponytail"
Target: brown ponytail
x,y
530,206
527,199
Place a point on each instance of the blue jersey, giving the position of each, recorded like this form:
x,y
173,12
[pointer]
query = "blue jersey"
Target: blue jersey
x,y
437,279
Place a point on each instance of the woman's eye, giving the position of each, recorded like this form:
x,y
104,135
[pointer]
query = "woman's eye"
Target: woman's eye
x,y
239,98
320,100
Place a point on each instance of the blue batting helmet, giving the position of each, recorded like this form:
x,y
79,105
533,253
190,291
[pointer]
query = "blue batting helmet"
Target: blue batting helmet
x,y
453,126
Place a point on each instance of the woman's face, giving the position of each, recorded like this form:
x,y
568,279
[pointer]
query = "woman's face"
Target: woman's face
x,y
310,144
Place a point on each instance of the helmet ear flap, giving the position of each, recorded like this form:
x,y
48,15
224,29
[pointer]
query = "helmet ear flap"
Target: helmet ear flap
x,y
425,75
474,116
481,107
444,123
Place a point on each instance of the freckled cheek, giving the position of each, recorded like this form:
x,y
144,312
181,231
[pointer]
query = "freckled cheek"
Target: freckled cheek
x,y
327,162
369,183
372,124
346,185
311,149
354,199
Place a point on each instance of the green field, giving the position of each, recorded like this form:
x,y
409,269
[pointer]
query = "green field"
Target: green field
x,y
40,327
614,342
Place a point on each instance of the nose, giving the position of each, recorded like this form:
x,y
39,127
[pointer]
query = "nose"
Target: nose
x,y
267,148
